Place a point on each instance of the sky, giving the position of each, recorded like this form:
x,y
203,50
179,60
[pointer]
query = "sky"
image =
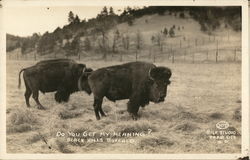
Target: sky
x,y
24,21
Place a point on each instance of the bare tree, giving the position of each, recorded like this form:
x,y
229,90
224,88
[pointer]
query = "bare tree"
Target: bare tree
x,y
139,40
158,40
116,38
126,41
104,22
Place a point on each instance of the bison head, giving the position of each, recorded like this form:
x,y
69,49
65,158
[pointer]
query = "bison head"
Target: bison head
x,y
83,84
159,80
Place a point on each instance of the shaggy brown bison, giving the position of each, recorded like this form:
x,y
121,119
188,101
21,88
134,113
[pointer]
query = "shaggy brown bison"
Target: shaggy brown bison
x,y
140,82
59,75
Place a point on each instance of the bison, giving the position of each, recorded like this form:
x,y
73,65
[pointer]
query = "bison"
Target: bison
x,y
60,75
140,82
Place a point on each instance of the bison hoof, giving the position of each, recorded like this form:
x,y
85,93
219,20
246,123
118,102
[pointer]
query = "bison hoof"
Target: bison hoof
x,y
41,108
98,118
104,115
134,117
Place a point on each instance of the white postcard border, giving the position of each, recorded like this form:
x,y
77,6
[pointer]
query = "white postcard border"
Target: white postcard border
x,y
245,77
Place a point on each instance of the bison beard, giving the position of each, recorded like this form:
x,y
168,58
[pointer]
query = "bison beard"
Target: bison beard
x,y
140,82
62,96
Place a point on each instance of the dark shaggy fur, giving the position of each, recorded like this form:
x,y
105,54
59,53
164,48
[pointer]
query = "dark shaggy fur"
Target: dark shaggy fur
x,y
140,82
59,75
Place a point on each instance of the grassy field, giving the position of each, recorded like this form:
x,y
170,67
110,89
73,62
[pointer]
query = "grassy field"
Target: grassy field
x,y
199,96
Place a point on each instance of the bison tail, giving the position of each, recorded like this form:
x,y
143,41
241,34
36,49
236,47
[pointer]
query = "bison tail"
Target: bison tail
x,y
19,79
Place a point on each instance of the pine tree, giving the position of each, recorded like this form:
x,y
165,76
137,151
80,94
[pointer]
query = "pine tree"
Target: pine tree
x,y
165,31
76,20
71,17
171,32
111,11
104,11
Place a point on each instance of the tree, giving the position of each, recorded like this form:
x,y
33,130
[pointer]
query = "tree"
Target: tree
x,y
111,11
130,20
127,16
139,40
116,37
76,20
165,31
182,15
71,17
46,43
158,40
152,39
104,11
171,32
87,44
103,24
126,41
72,48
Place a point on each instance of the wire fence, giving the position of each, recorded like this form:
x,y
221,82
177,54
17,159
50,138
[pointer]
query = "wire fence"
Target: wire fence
x,y
197,50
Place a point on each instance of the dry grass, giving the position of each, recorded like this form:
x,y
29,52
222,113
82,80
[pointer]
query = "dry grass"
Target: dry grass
x,y
21,120
199,96
152,144
62,146
68,114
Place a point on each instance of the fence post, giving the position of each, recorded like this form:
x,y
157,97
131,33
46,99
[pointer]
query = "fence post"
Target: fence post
x,y
172,54
136,55
188,43
35,55
153,54
184,55
154,57
173,57
216,55
193,58
207,55
235,51
121,56
162,47
180,43
149,53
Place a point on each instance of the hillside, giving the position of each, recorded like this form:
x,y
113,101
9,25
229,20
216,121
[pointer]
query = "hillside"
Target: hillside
x,y
135,30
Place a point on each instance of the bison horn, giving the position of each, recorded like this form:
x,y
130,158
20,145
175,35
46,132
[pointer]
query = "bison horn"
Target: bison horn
x,y
80,82
149,75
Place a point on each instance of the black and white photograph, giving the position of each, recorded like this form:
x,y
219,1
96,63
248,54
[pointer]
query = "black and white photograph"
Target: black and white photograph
x,y
125,78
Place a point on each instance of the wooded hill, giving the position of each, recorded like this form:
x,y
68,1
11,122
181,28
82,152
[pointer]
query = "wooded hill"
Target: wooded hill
x,y
100,34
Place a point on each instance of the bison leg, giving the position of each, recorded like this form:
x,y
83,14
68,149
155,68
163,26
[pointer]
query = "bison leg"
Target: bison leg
x,y
97,107
27,95
100,108
133,109
35,96
102,113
